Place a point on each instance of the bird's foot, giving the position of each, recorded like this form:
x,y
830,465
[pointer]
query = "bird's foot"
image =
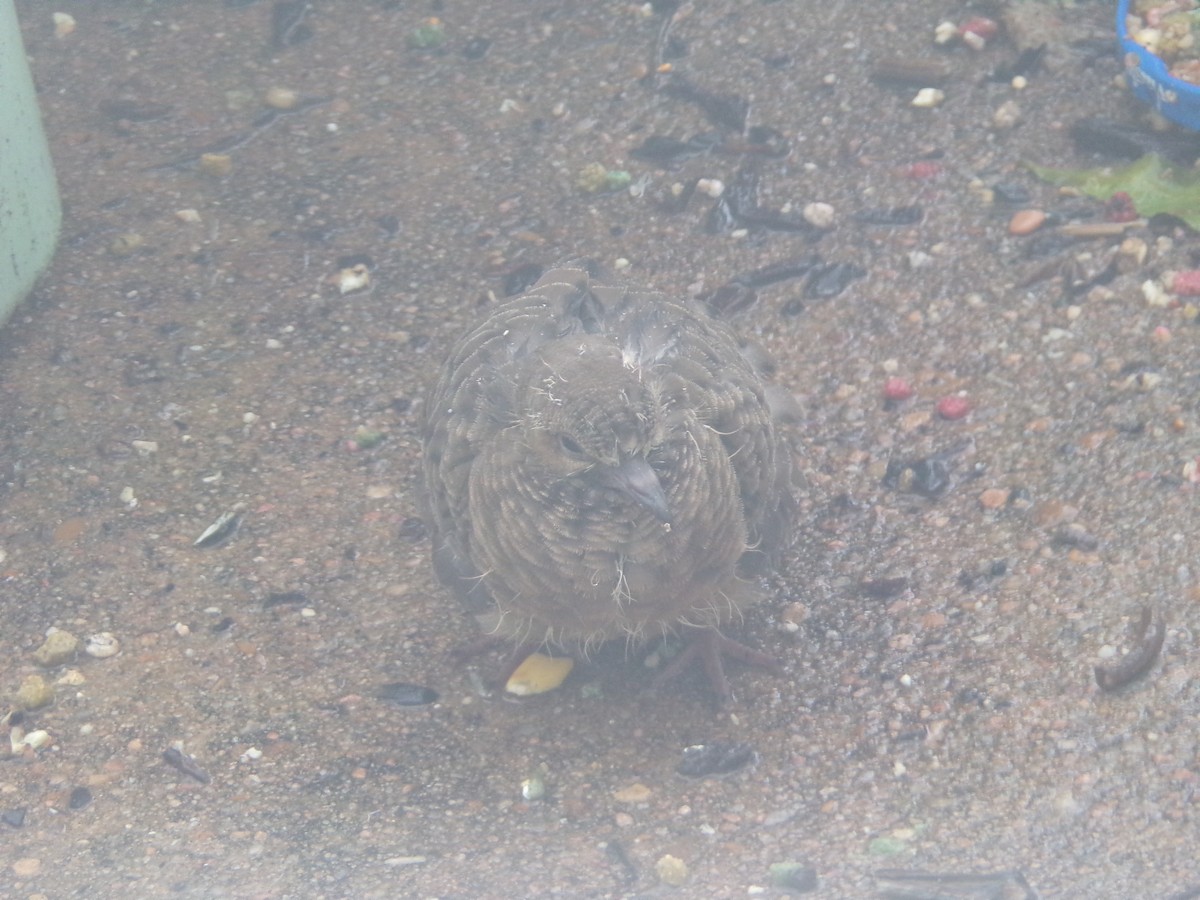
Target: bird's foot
x,y
709,646
498,676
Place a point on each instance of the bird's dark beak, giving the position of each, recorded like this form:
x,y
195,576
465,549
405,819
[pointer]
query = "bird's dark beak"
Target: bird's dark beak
x,y
636,480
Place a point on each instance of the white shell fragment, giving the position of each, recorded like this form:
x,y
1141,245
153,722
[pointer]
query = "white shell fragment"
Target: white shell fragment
x,y
225,526
102,645
928,98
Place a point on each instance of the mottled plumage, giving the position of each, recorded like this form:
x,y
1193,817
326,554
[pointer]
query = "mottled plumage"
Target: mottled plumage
x,y
601,463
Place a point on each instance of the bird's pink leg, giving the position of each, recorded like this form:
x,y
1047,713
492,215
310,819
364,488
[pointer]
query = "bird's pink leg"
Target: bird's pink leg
x,y
709,646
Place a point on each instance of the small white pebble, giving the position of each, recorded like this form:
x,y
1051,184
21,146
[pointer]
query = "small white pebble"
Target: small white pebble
x,y
974,40
918,259
1006,116
819,215
621,264
1155,293
182,630
713,187
1020,82
945,32
281,98
64,24
928,98
308,613
102,645
906,680
274,344
145,448
189,216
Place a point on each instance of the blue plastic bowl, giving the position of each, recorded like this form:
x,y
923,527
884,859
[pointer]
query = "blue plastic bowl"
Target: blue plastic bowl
x,y
1151,83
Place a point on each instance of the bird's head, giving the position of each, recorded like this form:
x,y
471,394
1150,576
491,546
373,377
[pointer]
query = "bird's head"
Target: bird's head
x,y
588,415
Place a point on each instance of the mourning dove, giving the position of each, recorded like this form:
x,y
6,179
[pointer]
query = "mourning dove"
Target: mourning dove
x,y
601,463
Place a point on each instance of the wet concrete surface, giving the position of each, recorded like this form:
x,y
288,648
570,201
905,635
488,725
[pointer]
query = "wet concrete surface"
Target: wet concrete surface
x,y
938,711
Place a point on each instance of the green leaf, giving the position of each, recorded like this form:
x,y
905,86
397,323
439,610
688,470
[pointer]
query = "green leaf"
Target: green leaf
x,y
1154,185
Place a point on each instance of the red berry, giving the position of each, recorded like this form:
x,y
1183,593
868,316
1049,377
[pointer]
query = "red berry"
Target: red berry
x,y
953,407
897,389
1186,284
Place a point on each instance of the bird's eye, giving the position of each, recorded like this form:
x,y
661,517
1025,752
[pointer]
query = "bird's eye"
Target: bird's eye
x,y
570,445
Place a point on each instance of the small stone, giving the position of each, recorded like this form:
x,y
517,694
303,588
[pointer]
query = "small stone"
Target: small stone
x,y
1155,293
64,24
187,216
897,389
795,877
974,41
1186,284
1049,513
35,740
953,407
928,98
819,215
994,498
58,648
125,244
1006,116
635,793
281,98
945,32
216,165
81,797
980,26
102,645
533,788
27,867
34,693
1132,254
1026,221
792,616
352,278
671,870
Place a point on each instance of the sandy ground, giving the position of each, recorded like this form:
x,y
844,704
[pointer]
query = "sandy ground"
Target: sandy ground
x,y
938,711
